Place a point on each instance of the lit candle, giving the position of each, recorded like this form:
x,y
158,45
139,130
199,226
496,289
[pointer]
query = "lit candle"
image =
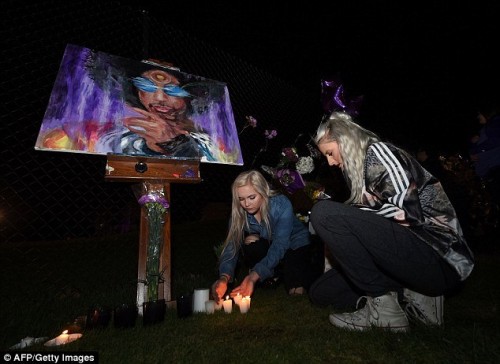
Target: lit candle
x,y
249,300
228,305
63,338
237,298
244,305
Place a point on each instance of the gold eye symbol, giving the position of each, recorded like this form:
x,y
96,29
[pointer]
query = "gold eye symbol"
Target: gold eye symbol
x,y
161,76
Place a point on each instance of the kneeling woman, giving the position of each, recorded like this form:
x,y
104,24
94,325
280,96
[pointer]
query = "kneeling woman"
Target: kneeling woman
x,y
264,231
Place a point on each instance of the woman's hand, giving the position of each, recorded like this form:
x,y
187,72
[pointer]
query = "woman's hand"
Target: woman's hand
x,y
247,286
219,288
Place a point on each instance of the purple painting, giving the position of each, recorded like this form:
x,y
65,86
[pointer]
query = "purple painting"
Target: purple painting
x,y
103,104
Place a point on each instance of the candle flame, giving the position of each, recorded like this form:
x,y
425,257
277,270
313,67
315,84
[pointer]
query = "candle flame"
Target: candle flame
x,y
227,297
64,332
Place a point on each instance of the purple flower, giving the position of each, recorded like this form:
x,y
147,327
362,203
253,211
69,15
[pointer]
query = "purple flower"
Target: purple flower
x,y
290,154
270,134
251,121
152,198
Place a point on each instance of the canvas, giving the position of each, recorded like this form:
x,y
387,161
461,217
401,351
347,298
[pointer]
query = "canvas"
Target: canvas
x,y
103,104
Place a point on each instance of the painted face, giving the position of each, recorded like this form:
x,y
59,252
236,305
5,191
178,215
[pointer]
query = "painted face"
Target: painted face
x,y
161,94
250,199
330,150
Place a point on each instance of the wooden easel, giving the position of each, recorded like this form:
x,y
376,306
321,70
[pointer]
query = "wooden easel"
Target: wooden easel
x,y
161,172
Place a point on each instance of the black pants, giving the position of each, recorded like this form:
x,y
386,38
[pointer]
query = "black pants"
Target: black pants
x,y
372,256
295,268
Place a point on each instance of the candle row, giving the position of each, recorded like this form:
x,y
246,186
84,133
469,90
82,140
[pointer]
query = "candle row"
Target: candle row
x,y
242,302
202,303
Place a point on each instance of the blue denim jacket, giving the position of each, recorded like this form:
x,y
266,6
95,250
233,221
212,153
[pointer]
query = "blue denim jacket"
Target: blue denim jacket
x,y
287,233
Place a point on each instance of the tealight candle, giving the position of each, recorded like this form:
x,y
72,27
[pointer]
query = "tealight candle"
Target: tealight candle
x,y
228,305
244,305
237,298
63,338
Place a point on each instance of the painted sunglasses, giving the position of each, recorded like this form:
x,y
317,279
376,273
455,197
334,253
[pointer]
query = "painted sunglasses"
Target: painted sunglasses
x,y
146,85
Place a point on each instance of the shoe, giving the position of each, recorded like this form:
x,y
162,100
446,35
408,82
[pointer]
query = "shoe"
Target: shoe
x,y
297,291
428,310
381,312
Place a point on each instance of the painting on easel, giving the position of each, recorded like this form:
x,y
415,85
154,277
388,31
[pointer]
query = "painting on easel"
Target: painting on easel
x,y
103,104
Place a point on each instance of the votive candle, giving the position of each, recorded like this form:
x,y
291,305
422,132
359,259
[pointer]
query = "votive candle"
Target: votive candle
x,y
244,305
228,305
237,298
63,338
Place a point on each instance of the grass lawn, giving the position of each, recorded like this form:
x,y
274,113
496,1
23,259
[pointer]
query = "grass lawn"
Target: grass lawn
x,y
46,285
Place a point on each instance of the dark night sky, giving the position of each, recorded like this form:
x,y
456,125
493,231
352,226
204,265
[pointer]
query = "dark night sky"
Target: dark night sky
x,y
421,69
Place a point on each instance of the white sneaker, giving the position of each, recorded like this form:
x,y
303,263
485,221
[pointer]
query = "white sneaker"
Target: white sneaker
x,y
428,310
382,312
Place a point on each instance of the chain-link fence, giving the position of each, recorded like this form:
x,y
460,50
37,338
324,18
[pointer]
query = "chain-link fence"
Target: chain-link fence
x,y
49,195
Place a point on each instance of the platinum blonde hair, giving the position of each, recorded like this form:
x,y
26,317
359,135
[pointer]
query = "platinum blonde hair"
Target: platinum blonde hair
x,y
238,213
353,141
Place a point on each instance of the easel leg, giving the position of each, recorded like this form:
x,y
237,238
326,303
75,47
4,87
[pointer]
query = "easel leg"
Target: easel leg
x,y
141,267
165,289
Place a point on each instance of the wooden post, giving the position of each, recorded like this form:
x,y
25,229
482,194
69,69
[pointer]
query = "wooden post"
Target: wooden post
x,y
160,172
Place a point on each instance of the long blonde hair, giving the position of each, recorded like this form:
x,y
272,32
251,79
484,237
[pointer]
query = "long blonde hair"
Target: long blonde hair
x,y
239,215
353,141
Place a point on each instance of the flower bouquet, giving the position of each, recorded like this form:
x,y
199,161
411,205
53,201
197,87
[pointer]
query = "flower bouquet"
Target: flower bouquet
x,y
295,165
292,167
152,197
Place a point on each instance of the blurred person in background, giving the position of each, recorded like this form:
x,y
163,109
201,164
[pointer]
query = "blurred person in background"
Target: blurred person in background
x,y
484,148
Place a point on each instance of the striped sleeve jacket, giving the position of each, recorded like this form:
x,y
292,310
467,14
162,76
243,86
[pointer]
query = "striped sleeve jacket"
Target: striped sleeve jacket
x,y
397,187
